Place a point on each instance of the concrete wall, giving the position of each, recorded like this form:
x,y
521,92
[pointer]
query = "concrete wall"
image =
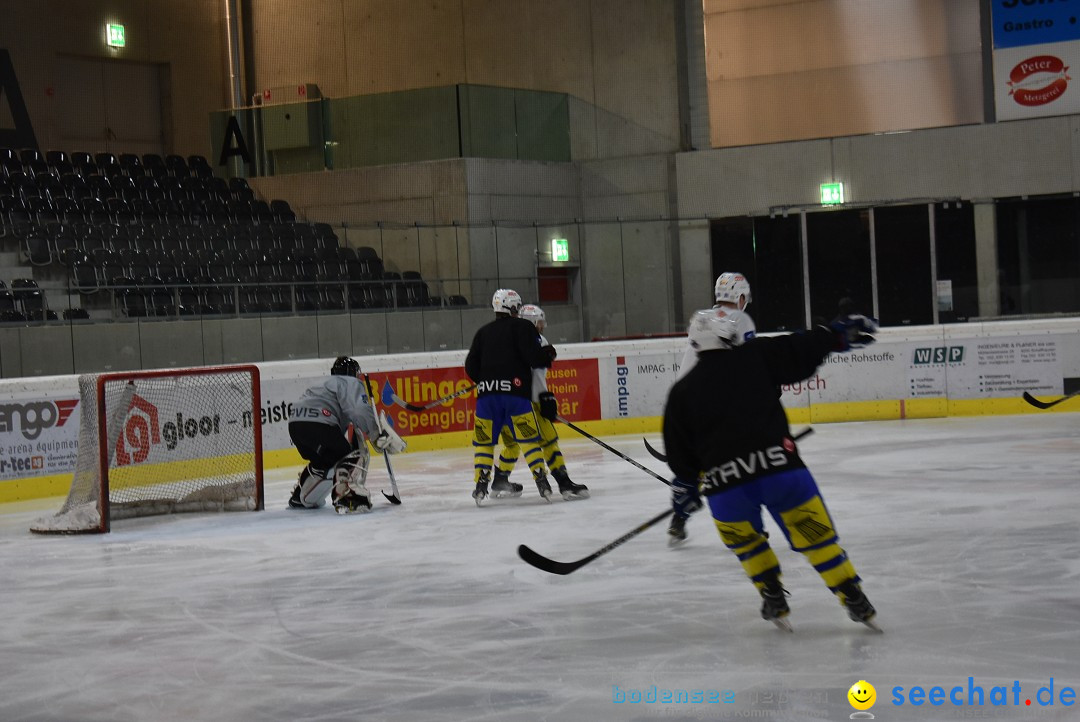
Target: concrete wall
x,y
1029,157
40,35
511,196
622,74
798,69
122,346
973,163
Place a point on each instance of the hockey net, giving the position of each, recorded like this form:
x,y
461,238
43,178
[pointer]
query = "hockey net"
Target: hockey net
x,y
161,442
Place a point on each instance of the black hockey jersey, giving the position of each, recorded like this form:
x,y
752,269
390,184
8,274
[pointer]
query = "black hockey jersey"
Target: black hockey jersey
x,y
723,422
502,356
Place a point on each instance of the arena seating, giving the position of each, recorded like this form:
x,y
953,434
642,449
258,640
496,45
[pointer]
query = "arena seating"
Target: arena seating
x,y
164,237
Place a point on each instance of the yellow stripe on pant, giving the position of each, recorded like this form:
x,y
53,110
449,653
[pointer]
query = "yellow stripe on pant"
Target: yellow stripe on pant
x,y
810,532
483,448
527,433
549,446
751,547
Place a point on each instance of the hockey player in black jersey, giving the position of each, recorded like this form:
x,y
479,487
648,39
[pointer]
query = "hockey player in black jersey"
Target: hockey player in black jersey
x,y
725,429
546,410
501,360
732,293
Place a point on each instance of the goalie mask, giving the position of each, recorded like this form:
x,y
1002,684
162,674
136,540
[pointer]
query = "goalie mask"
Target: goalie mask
x,y
506,300
730,287
345,366
532,314
717,329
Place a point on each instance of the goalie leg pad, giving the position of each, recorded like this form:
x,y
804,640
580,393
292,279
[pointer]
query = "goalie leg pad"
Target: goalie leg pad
x,y
350,475
314,487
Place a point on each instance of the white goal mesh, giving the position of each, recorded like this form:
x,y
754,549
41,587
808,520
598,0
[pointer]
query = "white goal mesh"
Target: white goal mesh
x,y
159,442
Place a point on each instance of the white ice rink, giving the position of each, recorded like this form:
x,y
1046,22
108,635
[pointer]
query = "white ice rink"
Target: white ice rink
x,y
964,530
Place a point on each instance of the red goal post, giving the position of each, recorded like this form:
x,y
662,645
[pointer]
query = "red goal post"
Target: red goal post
x,y
162,442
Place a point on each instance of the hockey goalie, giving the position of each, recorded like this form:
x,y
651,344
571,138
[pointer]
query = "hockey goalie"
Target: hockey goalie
x,y
328,426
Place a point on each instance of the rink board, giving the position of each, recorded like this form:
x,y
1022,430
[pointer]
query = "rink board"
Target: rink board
x,y
606,389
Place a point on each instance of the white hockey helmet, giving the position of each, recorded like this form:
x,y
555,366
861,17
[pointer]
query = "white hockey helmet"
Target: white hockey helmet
x,y
730,286
506,300
532,313
717,328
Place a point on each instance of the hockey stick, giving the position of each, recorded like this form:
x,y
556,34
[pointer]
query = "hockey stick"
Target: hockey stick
x,y
394,499
656,454
615,451
1047,404
553,567
413,407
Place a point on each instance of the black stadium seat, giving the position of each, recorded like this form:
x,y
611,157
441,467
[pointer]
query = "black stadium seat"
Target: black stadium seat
x,y
150,221
37,250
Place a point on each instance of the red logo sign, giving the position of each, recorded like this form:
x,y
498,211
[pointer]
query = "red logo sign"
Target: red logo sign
x,y
141,431
64,409
1038,80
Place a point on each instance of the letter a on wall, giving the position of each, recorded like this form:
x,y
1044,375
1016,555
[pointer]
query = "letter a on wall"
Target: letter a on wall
x,y
11,100
233,143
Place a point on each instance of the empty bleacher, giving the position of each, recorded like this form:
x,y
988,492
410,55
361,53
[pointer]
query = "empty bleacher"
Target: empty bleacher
x,y
131,236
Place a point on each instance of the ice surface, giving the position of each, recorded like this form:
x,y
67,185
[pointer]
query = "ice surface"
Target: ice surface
x,y
965,531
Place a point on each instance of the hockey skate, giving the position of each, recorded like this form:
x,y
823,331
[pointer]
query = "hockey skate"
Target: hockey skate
x,y
677,530
294,500
480,492
543,486
310,487
568,488
858,607
501,486
774,606
352,502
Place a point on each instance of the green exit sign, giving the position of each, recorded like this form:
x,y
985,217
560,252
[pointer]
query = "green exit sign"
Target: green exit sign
x,y
560,249
114,35
832,193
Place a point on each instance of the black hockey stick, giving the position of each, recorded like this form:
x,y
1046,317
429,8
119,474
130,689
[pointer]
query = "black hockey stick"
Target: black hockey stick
x,y
656,454
1047,404
413,407
615,451
553,567
393,499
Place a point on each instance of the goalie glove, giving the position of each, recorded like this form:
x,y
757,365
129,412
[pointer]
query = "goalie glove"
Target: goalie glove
x,y
549,406
685,497
387,439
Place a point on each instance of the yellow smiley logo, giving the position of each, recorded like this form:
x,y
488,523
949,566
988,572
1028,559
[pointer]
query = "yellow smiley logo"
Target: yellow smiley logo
x,y
862,695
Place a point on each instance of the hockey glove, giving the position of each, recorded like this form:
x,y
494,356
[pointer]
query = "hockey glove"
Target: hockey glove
x,y
685,497
550,352
549,406
852,332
